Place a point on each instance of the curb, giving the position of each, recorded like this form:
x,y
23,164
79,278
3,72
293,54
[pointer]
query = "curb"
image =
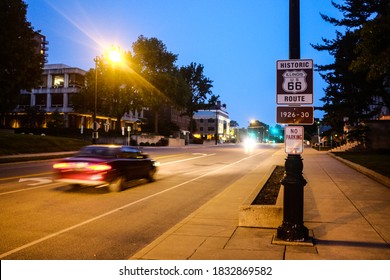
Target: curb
x,y
368,172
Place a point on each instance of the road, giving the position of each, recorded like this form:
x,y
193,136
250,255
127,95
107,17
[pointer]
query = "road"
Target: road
x,y
43,219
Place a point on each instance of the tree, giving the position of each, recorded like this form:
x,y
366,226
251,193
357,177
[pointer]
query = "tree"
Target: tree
x,y
200,87
117,92
116,89
345,95
361,62
234,123
157,73
373,48
146,77
21,64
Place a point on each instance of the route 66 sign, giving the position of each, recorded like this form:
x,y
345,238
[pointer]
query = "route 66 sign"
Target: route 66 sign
x,y
294,82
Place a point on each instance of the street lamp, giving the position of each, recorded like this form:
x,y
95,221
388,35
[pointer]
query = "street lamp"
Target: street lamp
x,y
95,127
114,55
318,135
217,107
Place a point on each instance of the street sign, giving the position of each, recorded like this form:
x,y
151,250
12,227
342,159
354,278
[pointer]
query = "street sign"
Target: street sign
x,y
294,82
95,126
294,115
293,139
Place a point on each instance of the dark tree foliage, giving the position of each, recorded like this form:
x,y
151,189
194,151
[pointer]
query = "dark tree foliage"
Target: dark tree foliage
x,y
200,87
159,79
361,62
146,77
20,62
115,87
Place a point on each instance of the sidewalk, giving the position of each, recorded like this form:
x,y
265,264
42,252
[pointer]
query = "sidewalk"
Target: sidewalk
x,y
346,212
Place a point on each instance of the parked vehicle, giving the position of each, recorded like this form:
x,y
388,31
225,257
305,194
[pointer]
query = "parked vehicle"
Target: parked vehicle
x,y
105,165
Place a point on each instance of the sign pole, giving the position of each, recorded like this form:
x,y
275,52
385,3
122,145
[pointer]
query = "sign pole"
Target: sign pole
x,y
292,228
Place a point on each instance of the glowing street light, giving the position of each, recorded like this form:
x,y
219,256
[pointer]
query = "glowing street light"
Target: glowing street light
x,y
114,55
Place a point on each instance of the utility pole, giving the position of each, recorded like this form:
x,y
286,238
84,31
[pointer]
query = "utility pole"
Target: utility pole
x,y
292,228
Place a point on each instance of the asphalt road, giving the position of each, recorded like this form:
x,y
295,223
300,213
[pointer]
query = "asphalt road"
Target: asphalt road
x,y
43,219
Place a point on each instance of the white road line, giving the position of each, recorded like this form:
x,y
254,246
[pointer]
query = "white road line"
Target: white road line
x,y
187,159
116,210
30,189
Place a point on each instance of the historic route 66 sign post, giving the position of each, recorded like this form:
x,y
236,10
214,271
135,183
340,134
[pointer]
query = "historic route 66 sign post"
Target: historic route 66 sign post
x,y
294,87
294,82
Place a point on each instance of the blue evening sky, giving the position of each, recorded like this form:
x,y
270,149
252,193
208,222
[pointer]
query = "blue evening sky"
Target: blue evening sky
x,y
237,41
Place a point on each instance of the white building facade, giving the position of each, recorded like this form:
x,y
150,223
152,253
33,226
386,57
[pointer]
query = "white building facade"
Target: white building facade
x,y
213,123
59,83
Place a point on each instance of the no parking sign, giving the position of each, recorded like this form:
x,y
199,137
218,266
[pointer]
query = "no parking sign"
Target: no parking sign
x,y
293,139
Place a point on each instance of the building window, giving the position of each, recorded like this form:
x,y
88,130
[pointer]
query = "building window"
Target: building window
x,y
211,120
70,99
24,100
40,100
57,99
43,82
211,128
58,81
76,80
201,128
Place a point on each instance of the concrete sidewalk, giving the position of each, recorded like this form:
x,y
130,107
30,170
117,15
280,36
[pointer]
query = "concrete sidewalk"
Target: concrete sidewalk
x,y
346,212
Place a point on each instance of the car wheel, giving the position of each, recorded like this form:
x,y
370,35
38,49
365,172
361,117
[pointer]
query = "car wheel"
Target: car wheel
x,y
117,184
150,176
75,187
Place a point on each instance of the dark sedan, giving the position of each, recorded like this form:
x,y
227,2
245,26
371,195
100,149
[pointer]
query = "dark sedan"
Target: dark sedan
x,y
105,165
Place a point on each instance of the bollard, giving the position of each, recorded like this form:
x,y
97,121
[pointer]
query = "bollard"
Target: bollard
x,y
292,228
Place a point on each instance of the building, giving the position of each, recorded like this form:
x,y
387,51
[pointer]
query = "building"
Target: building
x,y
41,45
213,124
54,96
59,82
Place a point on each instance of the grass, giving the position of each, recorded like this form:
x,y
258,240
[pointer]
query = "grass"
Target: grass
x,y
12,144
378,162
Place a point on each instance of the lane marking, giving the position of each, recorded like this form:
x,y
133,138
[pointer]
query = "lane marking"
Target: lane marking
x,y
118,209
187,159
38,180
30,189
26,176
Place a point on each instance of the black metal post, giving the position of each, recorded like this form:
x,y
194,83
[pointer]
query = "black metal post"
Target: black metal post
x,y
94,129
216,124
292,228
294,30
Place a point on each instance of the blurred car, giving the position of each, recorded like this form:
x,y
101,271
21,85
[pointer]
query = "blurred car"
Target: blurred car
x,y
249,145
105,165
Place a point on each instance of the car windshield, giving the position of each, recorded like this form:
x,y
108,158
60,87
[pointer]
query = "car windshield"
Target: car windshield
x,y
98,152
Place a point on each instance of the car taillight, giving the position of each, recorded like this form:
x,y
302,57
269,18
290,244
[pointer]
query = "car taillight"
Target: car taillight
x,y
81,166
61,165
99,167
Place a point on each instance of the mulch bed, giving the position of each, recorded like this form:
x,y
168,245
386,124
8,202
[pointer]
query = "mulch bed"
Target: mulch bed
x,y
269,193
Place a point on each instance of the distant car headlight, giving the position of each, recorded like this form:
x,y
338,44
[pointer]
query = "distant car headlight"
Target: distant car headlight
x,y
249,143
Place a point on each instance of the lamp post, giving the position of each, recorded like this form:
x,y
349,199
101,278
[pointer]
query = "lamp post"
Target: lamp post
x,y
95,128
217,107
216,126
114,55
318,135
